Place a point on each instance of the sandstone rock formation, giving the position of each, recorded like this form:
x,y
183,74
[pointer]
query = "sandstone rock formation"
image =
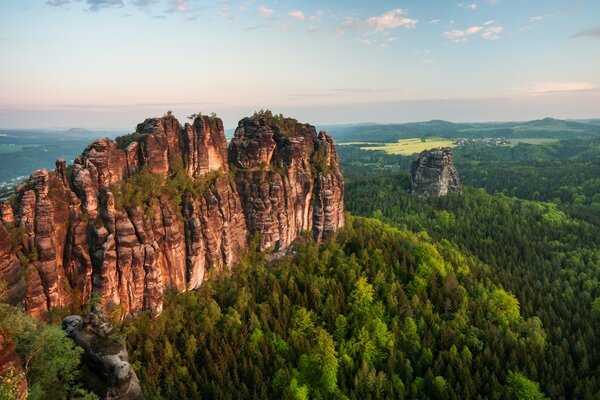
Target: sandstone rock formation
x,y
433,173
288,179
105,356
159,208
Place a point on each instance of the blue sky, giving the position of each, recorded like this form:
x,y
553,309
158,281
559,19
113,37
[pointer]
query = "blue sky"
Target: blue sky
x,y
109,63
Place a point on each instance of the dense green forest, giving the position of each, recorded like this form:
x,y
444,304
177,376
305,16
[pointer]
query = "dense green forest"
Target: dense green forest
x,y
494,293
378,312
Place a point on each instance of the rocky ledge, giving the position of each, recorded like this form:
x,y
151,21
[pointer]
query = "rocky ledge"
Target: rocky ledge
x,y
162,207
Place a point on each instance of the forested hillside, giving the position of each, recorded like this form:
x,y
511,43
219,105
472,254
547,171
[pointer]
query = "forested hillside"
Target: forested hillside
x,y
378,312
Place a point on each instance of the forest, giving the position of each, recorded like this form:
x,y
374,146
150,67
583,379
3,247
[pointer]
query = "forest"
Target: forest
x,y
494,293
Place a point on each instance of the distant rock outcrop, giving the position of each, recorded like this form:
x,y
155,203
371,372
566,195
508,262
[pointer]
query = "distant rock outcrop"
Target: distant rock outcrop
x,y
433,173
105,356
108,225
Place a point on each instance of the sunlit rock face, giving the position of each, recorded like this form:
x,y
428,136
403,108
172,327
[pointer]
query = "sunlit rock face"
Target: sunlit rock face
x,y
288,179
67,232
433,173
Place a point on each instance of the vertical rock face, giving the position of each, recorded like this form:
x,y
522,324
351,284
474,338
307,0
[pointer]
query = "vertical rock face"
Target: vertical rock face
x,y
288,179
433,173
161,207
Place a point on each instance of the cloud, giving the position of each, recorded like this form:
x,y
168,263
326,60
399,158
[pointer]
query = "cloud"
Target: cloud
x,y
536,18
390,20
487,31
590,32
57,3
472,6
266,12
96,5
492,33
225,12
257,27
434,21
144,3
312,29
178,6
542,88
297,14
359,90
366,42
317,16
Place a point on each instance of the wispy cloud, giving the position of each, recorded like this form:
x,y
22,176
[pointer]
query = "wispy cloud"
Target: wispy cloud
x,y
177,6
390,20
266,12
590,32
356,90
435,21
144,3
317,16
488,31
541,88
297,14
95,5
257,27
472,6
57,3
536,18
225,12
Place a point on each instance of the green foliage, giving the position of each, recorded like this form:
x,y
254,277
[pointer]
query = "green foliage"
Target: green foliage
x,y
319,163
596,308
285,125
139,190
519,387
49,358
124,141
504,307
335,321
9,384
145,187
542,255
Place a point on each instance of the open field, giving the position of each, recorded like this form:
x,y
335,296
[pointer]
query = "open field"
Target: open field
x,y
514,142
411,146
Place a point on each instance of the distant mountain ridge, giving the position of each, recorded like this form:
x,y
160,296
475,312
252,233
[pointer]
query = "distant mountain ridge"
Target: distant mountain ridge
x,y
546,127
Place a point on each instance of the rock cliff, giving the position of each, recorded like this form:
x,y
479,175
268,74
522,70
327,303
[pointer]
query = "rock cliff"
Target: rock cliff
x,y
433,173
159,208
288,179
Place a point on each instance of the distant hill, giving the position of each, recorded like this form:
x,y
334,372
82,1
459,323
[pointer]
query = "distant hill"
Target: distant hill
x,y
543,128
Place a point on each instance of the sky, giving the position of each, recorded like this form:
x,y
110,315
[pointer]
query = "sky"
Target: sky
x,y
108,64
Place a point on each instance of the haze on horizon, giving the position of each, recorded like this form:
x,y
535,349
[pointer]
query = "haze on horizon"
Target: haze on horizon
x,y
107,64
